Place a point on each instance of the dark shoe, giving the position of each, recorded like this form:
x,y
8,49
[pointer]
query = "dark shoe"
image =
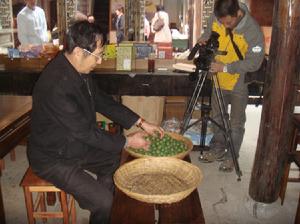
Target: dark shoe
x,y
207,157
211,156
219,151
226,166
220,155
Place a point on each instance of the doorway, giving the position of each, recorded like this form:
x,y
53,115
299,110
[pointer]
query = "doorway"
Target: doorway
x,y
101,14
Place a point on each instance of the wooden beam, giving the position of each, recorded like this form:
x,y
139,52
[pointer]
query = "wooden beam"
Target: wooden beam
x,y
198,5
191,12
279,95
262,11
61,20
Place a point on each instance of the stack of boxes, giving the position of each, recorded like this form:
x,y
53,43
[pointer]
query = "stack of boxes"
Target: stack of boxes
x,y
164,50
110,51
128,56
125,56
142,50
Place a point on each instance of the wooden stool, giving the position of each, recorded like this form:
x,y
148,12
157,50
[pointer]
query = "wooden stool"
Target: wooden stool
x,y
13,153
12,158
38,210
297,217
293,156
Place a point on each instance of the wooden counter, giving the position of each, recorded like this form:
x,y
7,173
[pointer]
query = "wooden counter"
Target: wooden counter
x,y
14,126
20,76
139,82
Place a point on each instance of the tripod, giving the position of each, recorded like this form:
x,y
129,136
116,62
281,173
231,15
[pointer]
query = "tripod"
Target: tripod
x,y
224,127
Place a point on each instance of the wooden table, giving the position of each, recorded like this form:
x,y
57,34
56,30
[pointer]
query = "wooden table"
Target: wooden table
x,y
134,83
130,211
14,126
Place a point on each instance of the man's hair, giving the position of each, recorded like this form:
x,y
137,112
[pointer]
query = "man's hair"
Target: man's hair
x,y
120,8
160,8
84,35
224,8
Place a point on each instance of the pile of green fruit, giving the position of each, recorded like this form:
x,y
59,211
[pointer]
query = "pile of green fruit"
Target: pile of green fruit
x,y
166,146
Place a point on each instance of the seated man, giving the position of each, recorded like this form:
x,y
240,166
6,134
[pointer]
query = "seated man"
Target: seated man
x,y
65,140
32,26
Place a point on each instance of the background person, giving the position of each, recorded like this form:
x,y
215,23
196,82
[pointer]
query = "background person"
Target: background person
x,y
32,26
79,16
163,35
146,29
90,18
230,16
65,139
120,24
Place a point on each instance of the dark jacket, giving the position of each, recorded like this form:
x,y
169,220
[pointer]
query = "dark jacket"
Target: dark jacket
x,y
120,28
63,116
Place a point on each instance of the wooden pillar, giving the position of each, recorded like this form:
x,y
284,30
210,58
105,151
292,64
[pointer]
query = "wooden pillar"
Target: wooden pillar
x,y
197,21
61,20
262,11
191,22
279,94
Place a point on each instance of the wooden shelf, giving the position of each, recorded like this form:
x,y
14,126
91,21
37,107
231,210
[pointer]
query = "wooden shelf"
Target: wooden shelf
x,y
7,44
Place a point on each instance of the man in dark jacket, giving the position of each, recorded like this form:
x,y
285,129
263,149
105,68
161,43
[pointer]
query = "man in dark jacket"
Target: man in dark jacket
x,y
65,141
120,24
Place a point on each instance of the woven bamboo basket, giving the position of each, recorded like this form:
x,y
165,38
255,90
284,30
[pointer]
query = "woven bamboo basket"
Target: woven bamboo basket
x,y
158,180
176,136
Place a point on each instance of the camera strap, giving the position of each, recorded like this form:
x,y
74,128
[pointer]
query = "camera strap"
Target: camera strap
x,y
257,76
236,48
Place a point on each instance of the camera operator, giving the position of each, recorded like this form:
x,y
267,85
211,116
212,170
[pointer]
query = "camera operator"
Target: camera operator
x,y
237,29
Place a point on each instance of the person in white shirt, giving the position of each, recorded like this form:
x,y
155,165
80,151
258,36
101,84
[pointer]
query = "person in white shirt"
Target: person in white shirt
x,y
32,26
146,28
163,35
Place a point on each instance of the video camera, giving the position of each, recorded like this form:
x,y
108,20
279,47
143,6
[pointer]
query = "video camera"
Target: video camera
x,y
206,52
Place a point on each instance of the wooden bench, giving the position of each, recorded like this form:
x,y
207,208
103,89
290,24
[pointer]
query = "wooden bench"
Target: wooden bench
x,y
131,211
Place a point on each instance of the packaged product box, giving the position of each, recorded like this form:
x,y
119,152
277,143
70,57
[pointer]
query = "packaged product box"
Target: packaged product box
x,y
125,57
142,50
151,108
110,51
164,50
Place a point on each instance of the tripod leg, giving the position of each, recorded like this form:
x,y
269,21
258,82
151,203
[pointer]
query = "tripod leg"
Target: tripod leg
x,y
204,118
226,125
203,134
193,101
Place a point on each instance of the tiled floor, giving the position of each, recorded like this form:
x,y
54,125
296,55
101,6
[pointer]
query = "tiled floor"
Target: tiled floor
x,y
224,199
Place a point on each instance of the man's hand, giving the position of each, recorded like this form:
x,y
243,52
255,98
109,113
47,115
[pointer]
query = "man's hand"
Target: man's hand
x,y
137,140
152,129
202,42
216,67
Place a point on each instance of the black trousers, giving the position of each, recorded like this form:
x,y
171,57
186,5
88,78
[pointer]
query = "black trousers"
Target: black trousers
x,y
95,195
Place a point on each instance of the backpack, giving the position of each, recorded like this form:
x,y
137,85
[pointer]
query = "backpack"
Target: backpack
x,y
158,24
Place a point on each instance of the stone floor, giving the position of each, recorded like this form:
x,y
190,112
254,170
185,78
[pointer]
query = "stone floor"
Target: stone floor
x,y
224,200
